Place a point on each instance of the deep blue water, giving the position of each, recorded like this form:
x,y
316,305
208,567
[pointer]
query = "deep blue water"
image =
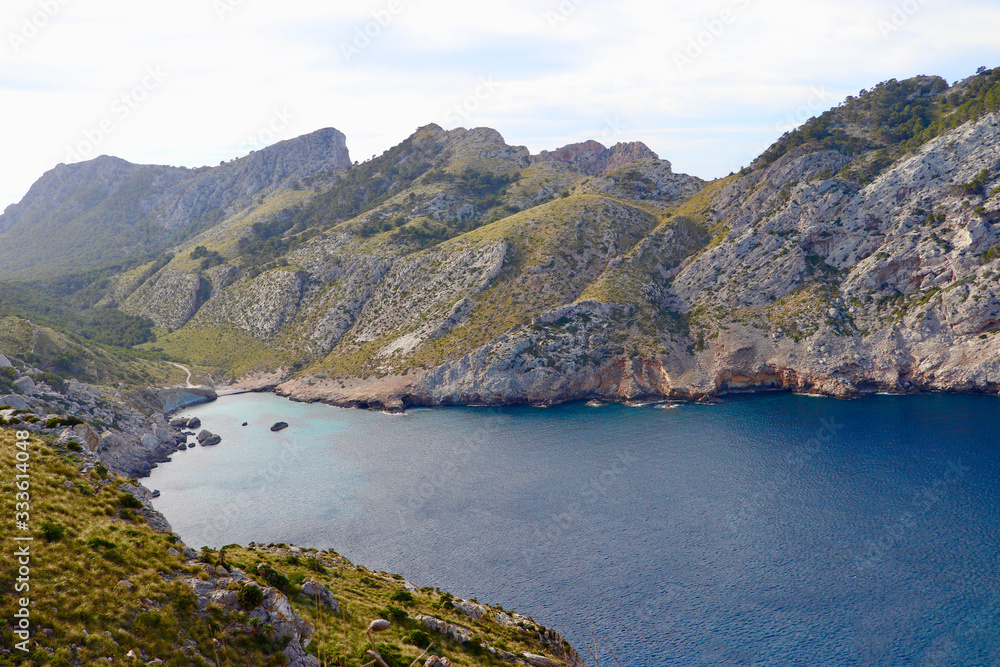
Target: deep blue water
x,y
771,530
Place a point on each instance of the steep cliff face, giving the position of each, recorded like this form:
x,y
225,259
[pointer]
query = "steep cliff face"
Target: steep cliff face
x,y
859,253
105,210
889,286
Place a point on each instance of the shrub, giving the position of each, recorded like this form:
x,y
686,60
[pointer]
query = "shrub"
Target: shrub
x,y
418,638
128,501
474,646
96,543
393,613
250,597
55,422
392,655
185,602
52,532
74,446
273,577
402,596
129,515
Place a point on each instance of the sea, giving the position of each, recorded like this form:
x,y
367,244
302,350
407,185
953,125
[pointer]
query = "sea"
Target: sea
x,y
770,529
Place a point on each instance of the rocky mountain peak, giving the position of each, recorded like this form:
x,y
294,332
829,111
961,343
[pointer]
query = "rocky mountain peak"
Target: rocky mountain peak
x,y
484,147
108,208
593,158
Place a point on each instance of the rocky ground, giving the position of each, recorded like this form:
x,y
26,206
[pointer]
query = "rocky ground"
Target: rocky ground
x,y
128,433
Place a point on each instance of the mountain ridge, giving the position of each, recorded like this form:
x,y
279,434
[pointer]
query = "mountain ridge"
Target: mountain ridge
x,y
857,254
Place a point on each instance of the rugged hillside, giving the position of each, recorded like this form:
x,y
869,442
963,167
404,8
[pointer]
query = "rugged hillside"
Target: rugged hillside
x,y
858,253
105,210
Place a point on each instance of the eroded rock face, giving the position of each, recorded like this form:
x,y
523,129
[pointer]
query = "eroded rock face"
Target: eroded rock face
x,y
169,299
591,157
314,590
277,612
812,284
153,203
274,615
85,434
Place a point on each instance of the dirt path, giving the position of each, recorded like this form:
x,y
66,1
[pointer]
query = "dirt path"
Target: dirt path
x,y
186,370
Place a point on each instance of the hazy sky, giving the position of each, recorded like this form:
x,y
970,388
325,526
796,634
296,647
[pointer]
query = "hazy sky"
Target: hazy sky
x,y
707,85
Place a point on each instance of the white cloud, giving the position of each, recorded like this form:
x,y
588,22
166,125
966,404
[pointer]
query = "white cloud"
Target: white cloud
x,y
567,70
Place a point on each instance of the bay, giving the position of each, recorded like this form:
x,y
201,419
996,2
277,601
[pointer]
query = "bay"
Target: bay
x,y
770,530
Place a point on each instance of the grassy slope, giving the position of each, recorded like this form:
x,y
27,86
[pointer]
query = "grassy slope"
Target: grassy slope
x,y
49,349
75,580
539,236
232,350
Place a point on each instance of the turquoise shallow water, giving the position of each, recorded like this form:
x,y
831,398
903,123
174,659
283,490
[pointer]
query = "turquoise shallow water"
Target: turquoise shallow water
x,y
770,530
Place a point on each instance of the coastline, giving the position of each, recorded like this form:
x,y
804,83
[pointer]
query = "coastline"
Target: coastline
x,y
394,394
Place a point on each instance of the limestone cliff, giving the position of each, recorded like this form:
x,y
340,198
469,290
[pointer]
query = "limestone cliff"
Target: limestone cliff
x,y
859,253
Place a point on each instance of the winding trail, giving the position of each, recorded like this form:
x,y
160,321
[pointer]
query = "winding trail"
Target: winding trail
x,y
186,370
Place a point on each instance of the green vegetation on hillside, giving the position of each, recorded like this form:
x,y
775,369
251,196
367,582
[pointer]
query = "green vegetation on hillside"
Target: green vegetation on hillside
x,y
365,186
220,347
68,356
894,117
102,582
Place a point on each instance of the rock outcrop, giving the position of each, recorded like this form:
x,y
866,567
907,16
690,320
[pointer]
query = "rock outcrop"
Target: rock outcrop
x,y
592,158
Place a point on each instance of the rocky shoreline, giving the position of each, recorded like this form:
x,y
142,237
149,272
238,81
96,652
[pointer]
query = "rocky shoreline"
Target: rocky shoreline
x,y
628,379
133,442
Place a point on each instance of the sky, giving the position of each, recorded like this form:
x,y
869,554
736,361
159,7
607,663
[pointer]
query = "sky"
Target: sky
x,y
707,85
